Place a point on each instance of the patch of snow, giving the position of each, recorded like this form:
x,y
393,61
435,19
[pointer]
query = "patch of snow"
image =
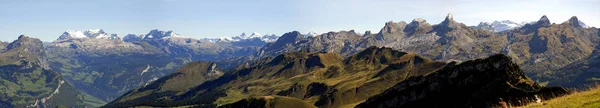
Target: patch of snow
x,y
145,70
310,34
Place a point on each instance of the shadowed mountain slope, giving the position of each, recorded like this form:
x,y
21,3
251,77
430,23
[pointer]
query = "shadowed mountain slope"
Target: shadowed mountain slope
x,y
476,83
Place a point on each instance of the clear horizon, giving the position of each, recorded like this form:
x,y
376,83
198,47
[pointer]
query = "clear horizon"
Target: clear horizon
x,y
213,18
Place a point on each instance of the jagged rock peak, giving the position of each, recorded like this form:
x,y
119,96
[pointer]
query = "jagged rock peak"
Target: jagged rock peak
x,y
449,21
22,36
574,21
449,17
544,18
367,33
544,21
287,38
293,33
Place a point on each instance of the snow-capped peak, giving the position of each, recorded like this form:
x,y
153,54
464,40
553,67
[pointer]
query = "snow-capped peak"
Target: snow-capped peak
x,y
158,34
498,26
88,34
310,34
255,34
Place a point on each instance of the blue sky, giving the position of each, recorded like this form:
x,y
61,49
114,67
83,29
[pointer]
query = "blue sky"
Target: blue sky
x,y
48,19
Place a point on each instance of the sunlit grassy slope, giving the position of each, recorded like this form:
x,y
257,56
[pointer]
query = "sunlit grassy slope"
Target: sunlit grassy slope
x,y
585,99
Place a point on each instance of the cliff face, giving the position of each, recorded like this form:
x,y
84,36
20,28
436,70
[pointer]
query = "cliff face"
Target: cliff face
x,y
476,83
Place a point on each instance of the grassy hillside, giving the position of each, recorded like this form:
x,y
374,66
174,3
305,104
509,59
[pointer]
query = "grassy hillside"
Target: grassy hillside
x,y
585,99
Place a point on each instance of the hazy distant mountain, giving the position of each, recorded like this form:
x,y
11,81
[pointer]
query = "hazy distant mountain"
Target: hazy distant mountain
x,y
134,61
499,26
243,37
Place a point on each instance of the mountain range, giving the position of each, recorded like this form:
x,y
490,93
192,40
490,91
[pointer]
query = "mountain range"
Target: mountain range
x,y
373,77
135,60
318,70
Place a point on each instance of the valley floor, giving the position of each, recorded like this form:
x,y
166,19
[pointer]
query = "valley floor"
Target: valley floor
x,y
585,99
